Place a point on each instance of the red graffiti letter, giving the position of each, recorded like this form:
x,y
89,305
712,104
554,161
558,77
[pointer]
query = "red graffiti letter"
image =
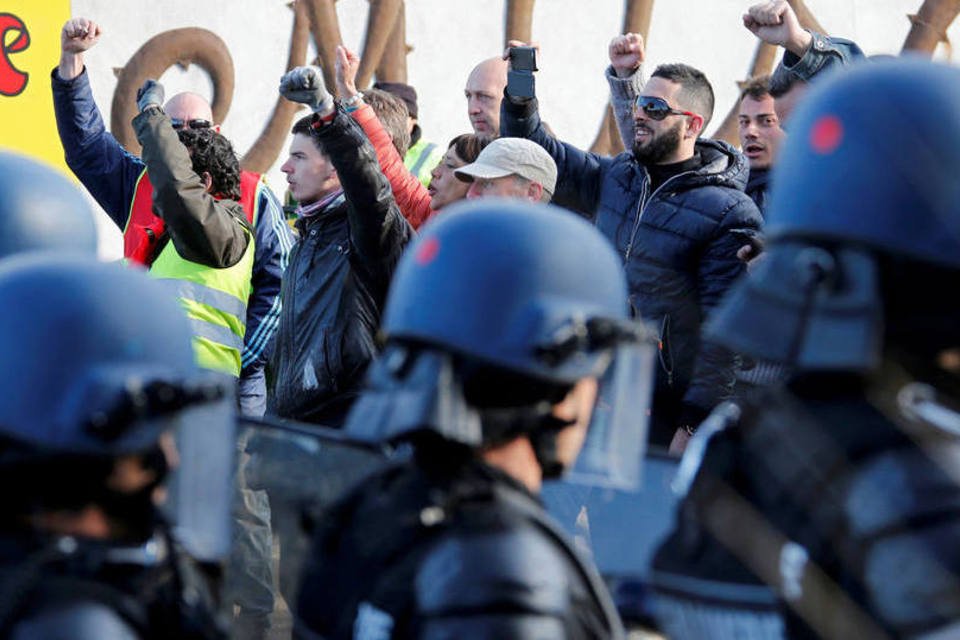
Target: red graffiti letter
x,y
12,80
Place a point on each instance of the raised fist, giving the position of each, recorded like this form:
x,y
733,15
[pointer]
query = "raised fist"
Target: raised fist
x,y
626,53
150,95
78,35
305,85
775,22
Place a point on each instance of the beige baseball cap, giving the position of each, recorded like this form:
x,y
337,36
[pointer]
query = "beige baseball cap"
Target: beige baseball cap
x,y
513,156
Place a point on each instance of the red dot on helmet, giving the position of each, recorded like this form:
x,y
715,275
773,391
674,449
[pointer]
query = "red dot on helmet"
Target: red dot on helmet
x,y
428,251
826,134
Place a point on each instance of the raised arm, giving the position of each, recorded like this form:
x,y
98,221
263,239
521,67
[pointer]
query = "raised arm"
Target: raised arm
x,y
411,196
107,171
378,232
203,229
807,53
578,172
625,77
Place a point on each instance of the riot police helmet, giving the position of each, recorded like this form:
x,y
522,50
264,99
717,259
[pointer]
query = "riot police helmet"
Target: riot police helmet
x,y
494,314
96,356
98,366
41,210
864,216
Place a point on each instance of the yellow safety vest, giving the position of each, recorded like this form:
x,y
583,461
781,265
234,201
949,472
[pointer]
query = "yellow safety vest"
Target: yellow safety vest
x,y
215,301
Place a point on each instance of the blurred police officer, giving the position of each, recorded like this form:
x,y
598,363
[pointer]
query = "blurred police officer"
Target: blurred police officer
x,y
98,374
838,495
41,210
497,352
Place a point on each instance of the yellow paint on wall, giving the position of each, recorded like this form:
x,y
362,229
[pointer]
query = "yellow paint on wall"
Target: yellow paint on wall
x,y
30,31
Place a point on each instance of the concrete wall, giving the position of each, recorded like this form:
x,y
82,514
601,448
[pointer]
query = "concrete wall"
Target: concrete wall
x,y
449,36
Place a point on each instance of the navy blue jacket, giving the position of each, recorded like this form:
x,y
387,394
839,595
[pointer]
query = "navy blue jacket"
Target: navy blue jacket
x,y
110,174
678,245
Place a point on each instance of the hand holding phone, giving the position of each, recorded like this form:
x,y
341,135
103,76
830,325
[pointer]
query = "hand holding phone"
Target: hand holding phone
x,y
520,79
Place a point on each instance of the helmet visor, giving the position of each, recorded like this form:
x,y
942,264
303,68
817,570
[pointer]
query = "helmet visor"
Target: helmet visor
x,y
616,439
200,487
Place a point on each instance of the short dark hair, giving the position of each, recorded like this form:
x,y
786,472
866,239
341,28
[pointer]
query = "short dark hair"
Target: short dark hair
x,y
392,113
468,146
757,88
696,94
304,126
212,153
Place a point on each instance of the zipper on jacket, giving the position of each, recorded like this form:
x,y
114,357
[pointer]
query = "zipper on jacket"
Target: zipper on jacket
x,y
644,201
288,289
636,222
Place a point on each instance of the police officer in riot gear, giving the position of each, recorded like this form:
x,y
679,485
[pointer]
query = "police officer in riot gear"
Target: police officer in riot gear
x,y
829,508
40,209
98,384
505,323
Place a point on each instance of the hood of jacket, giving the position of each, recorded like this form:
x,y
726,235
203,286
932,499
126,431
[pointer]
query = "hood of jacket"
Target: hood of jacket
x,y
722,166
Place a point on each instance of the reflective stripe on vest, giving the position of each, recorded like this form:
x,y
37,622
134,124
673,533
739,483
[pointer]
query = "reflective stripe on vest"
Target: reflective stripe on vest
x,y
215,301
424,156
144,227
207,295
417,157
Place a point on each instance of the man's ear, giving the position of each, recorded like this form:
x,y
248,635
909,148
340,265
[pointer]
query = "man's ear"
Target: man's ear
x,y
535,191
207,181
694,127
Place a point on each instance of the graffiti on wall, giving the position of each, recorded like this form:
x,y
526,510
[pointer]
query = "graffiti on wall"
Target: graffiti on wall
x,y
14,38
30,46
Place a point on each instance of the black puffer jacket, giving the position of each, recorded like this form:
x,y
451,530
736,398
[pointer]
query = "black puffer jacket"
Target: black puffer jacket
x,y
679,248
336,283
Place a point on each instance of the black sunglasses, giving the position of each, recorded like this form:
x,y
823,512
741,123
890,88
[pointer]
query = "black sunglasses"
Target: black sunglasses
x,y
657,108
195,123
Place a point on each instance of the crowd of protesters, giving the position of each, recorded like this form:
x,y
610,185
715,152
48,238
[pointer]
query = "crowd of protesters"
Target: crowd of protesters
x,y
317,321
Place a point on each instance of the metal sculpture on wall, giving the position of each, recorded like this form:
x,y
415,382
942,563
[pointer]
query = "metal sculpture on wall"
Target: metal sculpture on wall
x,y
268,145
930,26
384,54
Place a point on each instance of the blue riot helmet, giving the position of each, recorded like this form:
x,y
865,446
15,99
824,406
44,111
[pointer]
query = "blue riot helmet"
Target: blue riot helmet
x,y
864,216
494,314
41,210
98,364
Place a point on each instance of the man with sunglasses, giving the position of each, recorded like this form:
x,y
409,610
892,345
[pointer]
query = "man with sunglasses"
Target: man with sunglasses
x,y
674,208
119,183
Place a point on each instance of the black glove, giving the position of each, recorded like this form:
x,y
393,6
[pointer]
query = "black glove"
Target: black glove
x,y
305,85
150,95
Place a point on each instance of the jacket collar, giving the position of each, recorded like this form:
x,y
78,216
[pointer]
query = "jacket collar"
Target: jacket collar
x,y
321,211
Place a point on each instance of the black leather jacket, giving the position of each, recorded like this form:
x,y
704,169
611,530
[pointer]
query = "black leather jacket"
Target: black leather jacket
x,y
335,286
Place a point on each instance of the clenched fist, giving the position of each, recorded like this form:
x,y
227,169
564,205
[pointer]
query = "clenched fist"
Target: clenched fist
x,y
305,85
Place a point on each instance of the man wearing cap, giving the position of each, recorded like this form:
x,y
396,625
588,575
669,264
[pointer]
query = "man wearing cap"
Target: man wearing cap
x,y
511,168
423,155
